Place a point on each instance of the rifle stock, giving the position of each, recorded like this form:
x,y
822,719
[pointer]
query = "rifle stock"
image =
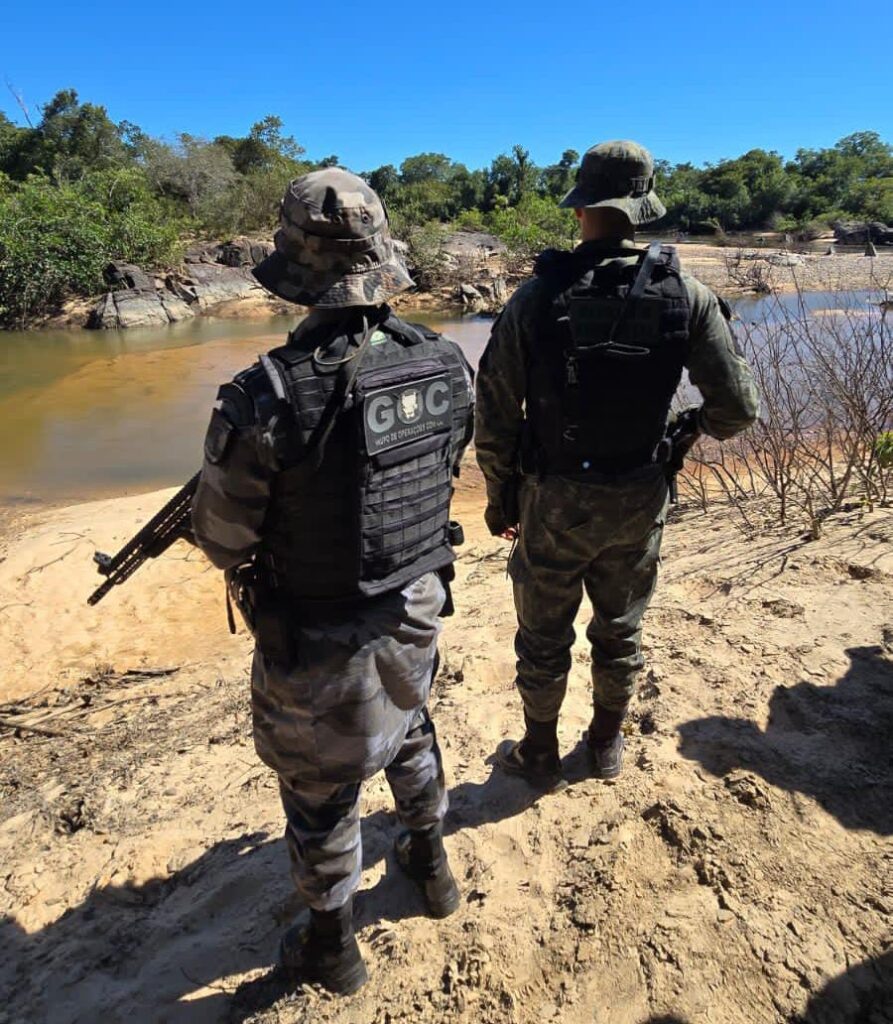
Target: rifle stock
x,y
169,524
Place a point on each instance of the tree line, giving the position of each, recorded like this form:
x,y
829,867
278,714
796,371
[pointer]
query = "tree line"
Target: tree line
x,y
77,190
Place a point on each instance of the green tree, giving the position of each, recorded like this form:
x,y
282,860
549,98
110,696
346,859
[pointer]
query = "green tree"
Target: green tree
x,y
556,180
55,238
264,148
71,139
197,172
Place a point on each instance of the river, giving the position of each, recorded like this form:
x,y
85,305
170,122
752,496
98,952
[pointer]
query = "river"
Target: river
x,y
86,414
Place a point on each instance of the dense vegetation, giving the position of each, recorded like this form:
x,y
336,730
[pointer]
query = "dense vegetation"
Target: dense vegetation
x,y
77,190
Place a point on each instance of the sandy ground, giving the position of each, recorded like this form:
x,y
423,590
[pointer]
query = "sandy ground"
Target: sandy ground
x,y
739,872
809,271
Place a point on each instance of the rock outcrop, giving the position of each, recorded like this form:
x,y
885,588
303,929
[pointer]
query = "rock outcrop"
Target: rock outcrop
x,y
205,285
211,275
132,307
486,295
860,233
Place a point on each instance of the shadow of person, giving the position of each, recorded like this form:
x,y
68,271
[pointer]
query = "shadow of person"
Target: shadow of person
x,y
394,898
151,951
861,995
831,743
162,950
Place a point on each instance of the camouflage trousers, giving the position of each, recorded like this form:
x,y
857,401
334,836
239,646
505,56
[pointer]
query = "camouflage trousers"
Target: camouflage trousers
x,y
353,703
604,538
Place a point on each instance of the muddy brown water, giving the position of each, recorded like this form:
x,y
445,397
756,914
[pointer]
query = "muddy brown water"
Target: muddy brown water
x,y
88,414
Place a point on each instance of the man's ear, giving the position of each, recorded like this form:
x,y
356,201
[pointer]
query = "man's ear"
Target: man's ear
x,y
578,213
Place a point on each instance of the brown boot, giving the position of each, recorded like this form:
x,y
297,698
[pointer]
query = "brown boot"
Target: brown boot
x,y
605,742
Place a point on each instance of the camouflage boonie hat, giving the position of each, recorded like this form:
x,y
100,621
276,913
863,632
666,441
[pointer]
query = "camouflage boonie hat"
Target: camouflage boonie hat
x,y
621,175
333,246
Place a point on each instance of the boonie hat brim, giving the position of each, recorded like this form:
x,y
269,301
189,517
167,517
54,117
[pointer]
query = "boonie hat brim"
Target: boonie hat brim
x,y
639,209
331,289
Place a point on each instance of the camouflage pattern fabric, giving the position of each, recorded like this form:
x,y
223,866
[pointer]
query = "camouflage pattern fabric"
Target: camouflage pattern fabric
x,y
353,700
618,174
353,704
575,533
333,246
341,712
606,539
715,367
323,819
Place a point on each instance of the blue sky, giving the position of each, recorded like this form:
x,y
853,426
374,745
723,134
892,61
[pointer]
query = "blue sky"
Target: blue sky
x,y
374,83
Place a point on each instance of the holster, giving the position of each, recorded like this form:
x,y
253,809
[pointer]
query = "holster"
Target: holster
x,y
448,573
268,614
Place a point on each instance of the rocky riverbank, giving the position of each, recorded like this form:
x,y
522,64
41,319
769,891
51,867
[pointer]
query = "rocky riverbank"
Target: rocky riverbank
x,y
475,274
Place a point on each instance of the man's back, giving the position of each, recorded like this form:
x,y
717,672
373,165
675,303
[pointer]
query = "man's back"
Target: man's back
x,y
573,399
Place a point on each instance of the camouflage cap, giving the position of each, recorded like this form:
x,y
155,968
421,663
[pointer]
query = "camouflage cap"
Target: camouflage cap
x,y
333,246
621,175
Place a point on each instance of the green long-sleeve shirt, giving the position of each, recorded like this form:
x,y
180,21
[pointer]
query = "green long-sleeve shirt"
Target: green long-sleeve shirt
x,y
715,367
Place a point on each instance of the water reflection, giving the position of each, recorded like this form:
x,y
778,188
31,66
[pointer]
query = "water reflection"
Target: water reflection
x,y
89,413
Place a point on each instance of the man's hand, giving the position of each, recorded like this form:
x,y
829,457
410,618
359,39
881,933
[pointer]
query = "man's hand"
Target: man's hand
x,y
502,513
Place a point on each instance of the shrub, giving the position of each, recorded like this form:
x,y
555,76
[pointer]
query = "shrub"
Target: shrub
x,y
883,449
824,434
536,223
55,239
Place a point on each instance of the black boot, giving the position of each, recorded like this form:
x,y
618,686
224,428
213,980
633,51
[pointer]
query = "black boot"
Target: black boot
x,y
325,951
535,757
605,742
422,856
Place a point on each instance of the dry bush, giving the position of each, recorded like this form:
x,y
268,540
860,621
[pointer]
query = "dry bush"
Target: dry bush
x,y
826,388
748,271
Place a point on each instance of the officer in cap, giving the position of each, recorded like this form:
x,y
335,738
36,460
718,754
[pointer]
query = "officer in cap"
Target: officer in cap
x,y
573,401
325,494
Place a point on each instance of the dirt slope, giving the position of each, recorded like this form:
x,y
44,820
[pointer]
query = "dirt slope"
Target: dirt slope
x,y
741,870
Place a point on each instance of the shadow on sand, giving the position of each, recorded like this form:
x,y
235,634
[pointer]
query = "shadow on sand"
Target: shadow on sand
x,y
861,995
831,743
158,951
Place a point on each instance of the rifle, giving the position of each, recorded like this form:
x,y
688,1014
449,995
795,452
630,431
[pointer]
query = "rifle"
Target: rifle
x,y
169,524
682,433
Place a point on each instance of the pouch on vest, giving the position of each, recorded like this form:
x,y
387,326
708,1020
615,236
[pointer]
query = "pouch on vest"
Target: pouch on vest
x,y
607,358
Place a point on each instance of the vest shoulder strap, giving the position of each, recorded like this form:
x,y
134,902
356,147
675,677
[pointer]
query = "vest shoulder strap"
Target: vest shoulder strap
x,y
408,333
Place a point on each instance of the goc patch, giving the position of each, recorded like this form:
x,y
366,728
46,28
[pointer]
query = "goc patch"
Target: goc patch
x,y
407,412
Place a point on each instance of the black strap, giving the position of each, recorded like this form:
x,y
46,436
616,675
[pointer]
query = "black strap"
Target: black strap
x,y
348,371
646,266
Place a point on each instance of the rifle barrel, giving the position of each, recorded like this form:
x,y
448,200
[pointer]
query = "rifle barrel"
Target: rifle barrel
x,y
153,539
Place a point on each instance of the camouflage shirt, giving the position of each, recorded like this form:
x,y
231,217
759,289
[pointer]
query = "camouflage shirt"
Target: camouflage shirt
x,y
715,366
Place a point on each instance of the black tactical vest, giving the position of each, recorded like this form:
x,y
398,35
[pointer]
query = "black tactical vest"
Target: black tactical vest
x,y
366,449
604,364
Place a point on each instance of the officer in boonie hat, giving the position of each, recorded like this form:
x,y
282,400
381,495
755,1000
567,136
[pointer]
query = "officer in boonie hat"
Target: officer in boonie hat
x,y
325,495
573,435
619,175
333,246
